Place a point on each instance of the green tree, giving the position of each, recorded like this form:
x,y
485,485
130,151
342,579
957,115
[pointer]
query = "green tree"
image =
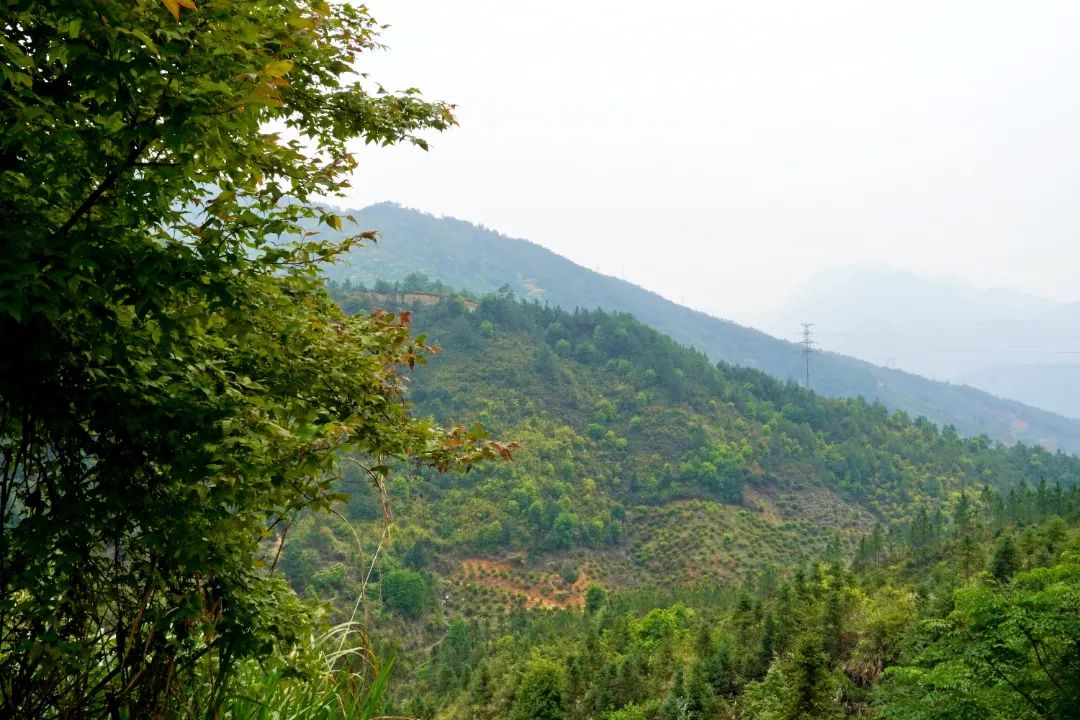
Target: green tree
x,y
175,383
594,599
563,528
719,671
812,682
1005,561
832,622
405,592
1001,653
541,692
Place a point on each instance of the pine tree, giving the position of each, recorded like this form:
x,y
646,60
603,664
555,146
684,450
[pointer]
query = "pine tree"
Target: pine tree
x,y
832,623
1005,561
812,682
877,544
768,642
719,671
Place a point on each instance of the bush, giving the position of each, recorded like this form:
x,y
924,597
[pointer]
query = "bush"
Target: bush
x,y
405,592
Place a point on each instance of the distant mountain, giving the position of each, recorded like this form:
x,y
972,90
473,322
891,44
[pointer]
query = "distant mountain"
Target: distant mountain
x,y
1061,322
1007,343
480,260
868,296
1054,387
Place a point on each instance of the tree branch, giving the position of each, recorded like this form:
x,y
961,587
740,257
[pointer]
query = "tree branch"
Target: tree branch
x,y
106,184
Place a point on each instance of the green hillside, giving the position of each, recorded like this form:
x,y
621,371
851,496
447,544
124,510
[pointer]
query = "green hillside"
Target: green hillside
x,y
642,460
481,261
232,489
978,622
637,552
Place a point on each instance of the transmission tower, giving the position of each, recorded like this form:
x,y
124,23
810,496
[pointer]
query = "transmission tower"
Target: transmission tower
x,y
807,349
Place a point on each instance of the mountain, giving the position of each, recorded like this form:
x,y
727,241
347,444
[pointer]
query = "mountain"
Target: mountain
x,y
1062,321
865,296
1010,344
1054,387
636,553
480,260
641,462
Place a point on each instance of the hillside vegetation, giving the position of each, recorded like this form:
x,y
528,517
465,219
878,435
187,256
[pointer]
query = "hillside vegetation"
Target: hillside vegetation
x,y
978,621
479,260
677,539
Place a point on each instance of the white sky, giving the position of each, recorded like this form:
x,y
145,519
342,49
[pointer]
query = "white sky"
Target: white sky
x,y
721,152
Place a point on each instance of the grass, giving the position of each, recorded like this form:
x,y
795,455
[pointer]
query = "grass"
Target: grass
x,y
342,685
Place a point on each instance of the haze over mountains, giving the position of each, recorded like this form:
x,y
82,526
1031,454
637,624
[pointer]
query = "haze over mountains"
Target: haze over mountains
x,y
1011,344
480,260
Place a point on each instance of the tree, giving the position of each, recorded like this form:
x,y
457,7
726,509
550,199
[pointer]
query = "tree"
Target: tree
x,y
541,693
405,592
812,682
1002,652
719,671
1004,562
594,599
175,384
563,528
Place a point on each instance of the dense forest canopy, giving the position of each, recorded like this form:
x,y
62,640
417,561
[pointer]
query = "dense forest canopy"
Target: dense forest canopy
x,y
630,393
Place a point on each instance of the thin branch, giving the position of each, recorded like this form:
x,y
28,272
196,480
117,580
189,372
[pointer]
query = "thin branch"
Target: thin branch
x,y
1039,658
281,542
1030,700
106,184
155,163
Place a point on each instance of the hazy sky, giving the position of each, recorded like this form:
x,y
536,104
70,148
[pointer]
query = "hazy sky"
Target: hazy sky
x,y
721,152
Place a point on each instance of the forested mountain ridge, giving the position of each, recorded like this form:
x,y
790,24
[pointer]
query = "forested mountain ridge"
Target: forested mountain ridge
x,y
633,561
479,260
642,462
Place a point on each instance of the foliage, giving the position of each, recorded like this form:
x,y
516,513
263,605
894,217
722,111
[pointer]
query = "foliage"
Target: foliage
x,y
1002,652
594,598
621,428
910,639
326,678
404,592
175,384
622,422
540,695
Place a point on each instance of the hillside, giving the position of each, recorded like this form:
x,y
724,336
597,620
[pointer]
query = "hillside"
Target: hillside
x,y
976,619
641,462
480,260
1055,387
638,548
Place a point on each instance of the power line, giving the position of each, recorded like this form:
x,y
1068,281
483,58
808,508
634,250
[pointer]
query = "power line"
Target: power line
x,y
924,348
807,349
940,343
922,336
